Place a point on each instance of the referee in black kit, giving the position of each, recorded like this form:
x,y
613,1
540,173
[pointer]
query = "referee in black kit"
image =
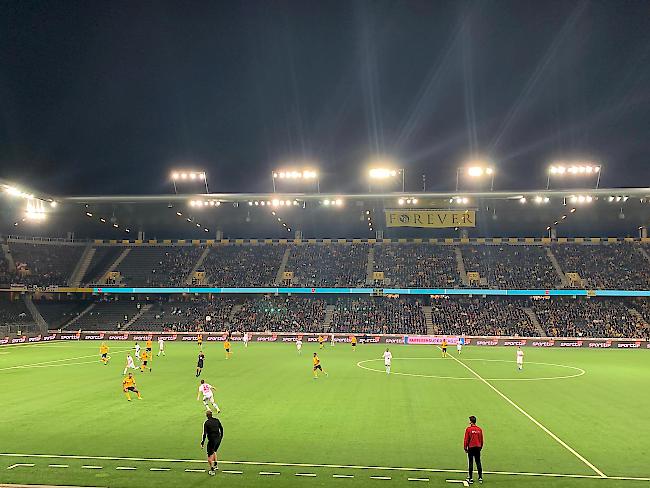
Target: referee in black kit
x,y
213,430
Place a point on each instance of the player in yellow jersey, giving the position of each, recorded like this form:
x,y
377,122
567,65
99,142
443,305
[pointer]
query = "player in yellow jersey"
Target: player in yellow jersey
x,y
144,361
103,350
444,347
353,341
128,385
317,366
321,341
226,347
199,341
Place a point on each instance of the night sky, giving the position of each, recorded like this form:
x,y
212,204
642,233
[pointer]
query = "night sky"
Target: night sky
x,y
108,97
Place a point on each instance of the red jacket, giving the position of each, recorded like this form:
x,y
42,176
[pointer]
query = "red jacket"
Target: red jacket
x,y
473,437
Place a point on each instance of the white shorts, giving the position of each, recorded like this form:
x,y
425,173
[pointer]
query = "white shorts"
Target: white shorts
x,y
459,346
209,398
387,364
520,361
299,346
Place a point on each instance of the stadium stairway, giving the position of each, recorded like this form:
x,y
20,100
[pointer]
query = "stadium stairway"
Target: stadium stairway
x,y
283,266
460,266
535,321
557,267
115,264
9,257
428,320
144,309
370,267
643,252
635,313
233,311
197,265
329,315
36,315
83,312
82,266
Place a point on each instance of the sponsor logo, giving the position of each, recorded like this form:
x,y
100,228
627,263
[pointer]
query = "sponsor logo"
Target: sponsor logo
x,y
487,343
19,340
142,337
267,338
69,337
4,341
188,338
289,339
600,344
312,339
543,343
35,339
51,337
94,337
394,340
514,343
121,337
168,338
571,344
216,338
374,339
629,345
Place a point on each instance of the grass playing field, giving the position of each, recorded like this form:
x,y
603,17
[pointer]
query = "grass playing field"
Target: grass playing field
x,y
356,427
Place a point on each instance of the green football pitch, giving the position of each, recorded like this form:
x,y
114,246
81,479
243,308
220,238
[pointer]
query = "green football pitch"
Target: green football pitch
x,y
575,418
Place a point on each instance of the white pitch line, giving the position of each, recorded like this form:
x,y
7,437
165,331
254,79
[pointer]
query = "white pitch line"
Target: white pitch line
x,y
229,471
18,465
126,468
92,467
342,476
309,465
51,362
159,469
464,483
417,479
380,477
268,473
195,470
59,466
530,417
306,474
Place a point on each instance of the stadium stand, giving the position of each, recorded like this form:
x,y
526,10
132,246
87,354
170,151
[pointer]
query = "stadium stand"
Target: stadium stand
x,y
567,317
605,266
6,276
511,266
233,266
417,265
45,264
110,314
58,313
378,316
481,316
338,265
187,316
14,312
280,314
102,259
158,265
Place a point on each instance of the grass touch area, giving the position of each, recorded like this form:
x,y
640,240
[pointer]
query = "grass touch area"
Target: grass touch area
x,y
58,399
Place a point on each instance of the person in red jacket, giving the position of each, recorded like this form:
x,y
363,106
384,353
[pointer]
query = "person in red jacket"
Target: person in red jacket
x,y
473,443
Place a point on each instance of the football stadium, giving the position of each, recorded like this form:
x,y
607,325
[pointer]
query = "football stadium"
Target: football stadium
x,y
390,320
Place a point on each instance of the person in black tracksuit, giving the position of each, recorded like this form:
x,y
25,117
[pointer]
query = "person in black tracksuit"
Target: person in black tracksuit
x,y
213,430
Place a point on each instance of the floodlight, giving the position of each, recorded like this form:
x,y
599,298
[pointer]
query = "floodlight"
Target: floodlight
x,y
127,230
326,202
522,200
192,176
103,220
262,203
250,204
475,171
414,201
339,202
382,173
89,214
179,214
573,210
175,176
53,204
400,201
287,203
206,230
276,202
115,225
183,176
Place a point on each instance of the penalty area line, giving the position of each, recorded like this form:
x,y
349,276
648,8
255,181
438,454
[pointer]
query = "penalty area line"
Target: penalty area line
x,y
531,418
310,465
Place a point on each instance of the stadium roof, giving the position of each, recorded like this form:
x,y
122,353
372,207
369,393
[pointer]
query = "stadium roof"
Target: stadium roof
x,y
572,212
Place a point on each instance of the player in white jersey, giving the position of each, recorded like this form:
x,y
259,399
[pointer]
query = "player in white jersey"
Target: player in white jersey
x,y
520,358
161,346
245,339
387,359
205,389
459,344
137,350
129,364
299,346
332,339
